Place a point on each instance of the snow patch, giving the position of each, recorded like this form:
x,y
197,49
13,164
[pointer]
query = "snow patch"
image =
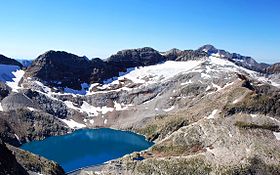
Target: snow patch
x,y
159,72
219,61
1,109
169,109
73,124
237,100
121,107
45,89
275,84
31,109
94,111
277,135
70,105
18,74
216,86
114,80
208,88
212,115
219,87
188,82
274,119
205,76
105,121
91,121
253,115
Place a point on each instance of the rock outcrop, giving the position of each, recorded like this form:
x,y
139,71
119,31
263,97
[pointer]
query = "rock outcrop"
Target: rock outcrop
x,y
35,164
186,55
135,57
14,161
21,126
273,69
8,162
204,138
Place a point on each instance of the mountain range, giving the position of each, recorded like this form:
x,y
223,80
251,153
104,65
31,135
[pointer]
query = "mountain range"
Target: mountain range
x,y
208,111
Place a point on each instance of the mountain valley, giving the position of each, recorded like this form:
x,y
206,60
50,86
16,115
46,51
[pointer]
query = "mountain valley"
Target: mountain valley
x,y
208,111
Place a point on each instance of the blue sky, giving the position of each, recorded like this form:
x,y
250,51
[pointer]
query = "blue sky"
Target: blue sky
x,y
99,28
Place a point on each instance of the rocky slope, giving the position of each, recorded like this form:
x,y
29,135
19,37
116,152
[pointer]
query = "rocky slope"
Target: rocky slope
x,y
35,164
135,57
275,68
178,55
207,137
14,161
206,112
22,125
8,162
62,69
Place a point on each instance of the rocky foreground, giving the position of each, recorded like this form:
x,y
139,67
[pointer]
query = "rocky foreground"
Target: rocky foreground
x,y
207,110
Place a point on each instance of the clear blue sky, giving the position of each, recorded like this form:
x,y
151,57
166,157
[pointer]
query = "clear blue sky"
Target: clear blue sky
x,y
99,28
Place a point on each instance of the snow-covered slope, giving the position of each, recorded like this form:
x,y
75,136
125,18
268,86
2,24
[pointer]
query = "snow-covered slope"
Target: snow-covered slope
x,y
14,83
159,72
146,91
11,75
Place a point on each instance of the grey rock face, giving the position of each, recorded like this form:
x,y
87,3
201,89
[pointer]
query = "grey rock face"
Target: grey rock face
x,y
135,58
17,101
186,55
53,107
273,69
21,126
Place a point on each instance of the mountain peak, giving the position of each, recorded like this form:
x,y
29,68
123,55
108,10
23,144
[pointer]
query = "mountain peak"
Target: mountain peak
x,y
172,51
208,48
135,57
62,55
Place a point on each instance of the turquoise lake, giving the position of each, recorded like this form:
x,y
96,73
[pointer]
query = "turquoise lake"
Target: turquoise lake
x,y
88,147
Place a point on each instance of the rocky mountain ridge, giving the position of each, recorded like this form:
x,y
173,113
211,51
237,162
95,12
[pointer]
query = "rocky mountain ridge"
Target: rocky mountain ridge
x,y
244,61
46,66
9,61
197,105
